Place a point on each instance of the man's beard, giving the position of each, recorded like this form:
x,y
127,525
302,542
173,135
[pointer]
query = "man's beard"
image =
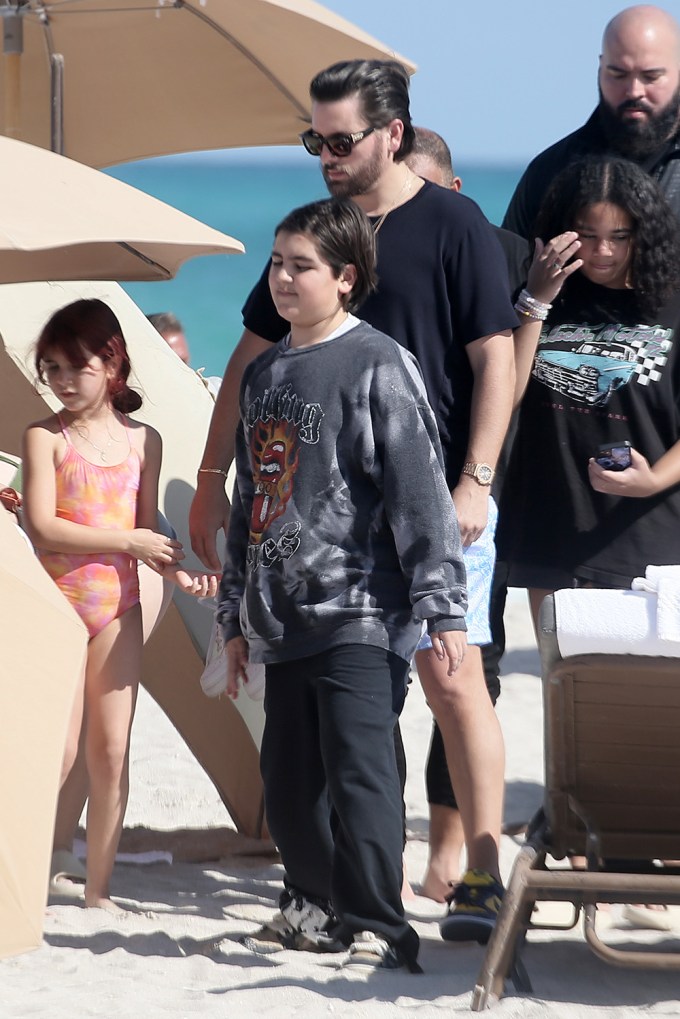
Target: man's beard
x,y
633,138
358,181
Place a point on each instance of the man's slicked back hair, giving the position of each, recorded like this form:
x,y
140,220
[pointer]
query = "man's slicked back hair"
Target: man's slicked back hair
x,y
382,87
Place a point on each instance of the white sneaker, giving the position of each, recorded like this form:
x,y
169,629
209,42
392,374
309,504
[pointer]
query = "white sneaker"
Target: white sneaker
x,y
370,949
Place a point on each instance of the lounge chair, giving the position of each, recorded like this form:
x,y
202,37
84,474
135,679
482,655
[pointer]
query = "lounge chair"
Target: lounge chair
x,y
612,791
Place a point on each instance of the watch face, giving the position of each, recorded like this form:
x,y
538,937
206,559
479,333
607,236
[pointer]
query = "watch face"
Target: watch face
x,y
484,474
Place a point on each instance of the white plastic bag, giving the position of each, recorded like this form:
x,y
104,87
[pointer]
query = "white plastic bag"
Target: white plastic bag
x,y
214,676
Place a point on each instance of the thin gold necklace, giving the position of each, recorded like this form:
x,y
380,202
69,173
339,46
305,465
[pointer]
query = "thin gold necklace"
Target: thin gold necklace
x,y
405,188
86,438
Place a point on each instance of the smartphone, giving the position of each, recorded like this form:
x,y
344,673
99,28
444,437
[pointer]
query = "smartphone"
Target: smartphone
x,y
614,456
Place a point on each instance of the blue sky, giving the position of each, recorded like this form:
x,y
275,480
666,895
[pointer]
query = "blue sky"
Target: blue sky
x,y
499,79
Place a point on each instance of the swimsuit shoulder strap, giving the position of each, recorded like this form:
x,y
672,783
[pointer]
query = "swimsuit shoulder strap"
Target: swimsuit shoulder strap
x,y
128,430
64,429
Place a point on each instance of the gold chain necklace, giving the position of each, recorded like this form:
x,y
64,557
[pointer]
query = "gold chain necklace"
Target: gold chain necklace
x,y
405,188
86,438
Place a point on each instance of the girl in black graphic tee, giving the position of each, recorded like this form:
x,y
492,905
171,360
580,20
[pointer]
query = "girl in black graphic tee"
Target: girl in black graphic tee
x,y
598,355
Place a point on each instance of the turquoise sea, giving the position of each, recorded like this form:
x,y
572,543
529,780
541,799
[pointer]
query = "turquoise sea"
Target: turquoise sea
x,y
247,200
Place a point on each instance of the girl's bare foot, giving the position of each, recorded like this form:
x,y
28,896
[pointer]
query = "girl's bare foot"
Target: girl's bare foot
x,y
103,902
437,886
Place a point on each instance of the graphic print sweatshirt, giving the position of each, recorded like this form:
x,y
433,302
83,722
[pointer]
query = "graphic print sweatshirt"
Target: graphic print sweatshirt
x,y
342,528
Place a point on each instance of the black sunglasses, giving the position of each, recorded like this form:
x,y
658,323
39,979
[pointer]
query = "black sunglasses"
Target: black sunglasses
x,y
337,144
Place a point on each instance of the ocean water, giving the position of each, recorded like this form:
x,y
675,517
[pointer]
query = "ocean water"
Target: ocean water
x,y
247,200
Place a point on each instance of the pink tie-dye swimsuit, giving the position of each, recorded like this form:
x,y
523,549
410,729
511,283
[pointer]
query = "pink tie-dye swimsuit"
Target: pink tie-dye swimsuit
x,y
101,586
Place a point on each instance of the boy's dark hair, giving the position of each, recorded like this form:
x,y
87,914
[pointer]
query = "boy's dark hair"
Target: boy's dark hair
x,y
382,86
90,325
343,235
655,265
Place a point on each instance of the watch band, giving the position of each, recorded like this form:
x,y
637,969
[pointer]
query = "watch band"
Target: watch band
x,y
481,472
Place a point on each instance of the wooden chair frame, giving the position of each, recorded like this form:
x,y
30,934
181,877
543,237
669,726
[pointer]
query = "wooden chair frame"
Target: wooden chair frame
x,y
612,765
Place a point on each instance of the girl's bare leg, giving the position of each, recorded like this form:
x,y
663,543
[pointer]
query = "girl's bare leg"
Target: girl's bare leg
x,y
111,684
447,842
474,747
73,733
72,796
73,785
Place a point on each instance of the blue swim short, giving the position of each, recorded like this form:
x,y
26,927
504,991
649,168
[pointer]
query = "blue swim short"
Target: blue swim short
x,y
480,559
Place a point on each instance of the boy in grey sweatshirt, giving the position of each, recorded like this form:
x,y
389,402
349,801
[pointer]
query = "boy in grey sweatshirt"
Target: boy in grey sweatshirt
x,y
343,543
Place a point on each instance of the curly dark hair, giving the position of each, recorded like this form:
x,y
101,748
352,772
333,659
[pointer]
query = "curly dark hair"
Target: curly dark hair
x,y
655,265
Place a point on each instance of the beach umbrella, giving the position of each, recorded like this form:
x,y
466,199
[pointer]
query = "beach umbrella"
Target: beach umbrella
x,y
43,653
61,220
109,82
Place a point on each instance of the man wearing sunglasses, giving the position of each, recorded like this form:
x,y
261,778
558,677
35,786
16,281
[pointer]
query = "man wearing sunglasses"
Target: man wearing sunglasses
x,y
443,293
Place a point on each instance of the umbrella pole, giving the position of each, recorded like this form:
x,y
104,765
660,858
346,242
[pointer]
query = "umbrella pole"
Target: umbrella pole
x,y
57,108
13,45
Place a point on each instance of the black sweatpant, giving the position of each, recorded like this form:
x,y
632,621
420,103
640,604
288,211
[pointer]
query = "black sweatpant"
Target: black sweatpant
x,y
331,787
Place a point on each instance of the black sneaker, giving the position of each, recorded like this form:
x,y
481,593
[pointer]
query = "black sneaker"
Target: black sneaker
x,y
474,907
300,925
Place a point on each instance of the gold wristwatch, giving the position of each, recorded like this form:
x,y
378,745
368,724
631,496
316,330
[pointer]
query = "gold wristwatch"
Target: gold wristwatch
x,y
482,473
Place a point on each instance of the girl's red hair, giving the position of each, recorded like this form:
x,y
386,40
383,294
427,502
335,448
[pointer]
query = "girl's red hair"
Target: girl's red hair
x,y
90,325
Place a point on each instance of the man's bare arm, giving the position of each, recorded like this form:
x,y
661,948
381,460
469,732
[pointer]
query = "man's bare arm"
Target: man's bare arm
x,y
493,367
210,507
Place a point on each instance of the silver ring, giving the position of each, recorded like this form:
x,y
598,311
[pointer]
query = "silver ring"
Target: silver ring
x,y
556,265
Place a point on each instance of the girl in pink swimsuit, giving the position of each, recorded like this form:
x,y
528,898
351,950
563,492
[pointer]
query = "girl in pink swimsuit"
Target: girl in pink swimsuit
x,y
90,478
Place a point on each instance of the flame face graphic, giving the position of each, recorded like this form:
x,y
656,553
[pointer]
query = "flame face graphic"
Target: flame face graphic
x,y
275,452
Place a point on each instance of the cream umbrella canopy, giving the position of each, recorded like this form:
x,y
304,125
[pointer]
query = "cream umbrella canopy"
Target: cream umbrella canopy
x,y
106,83
61,220
44,646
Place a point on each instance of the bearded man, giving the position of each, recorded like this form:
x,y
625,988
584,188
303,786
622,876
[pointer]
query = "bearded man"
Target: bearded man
x,y
637,118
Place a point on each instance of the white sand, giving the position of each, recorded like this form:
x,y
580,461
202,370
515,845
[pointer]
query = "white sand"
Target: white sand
x,y
176,954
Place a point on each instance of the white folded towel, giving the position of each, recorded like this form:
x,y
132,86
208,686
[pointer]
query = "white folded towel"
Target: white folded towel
x,y
664,581
653,576
146,857
593,621
668,609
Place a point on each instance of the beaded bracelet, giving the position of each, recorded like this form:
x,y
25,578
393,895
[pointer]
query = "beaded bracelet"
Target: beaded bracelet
x,y
532,302
535,316
531,308
213,470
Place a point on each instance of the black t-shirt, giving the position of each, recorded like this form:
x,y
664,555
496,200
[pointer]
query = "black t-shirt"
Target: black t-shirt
x,y
442,283
517,256
599,376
